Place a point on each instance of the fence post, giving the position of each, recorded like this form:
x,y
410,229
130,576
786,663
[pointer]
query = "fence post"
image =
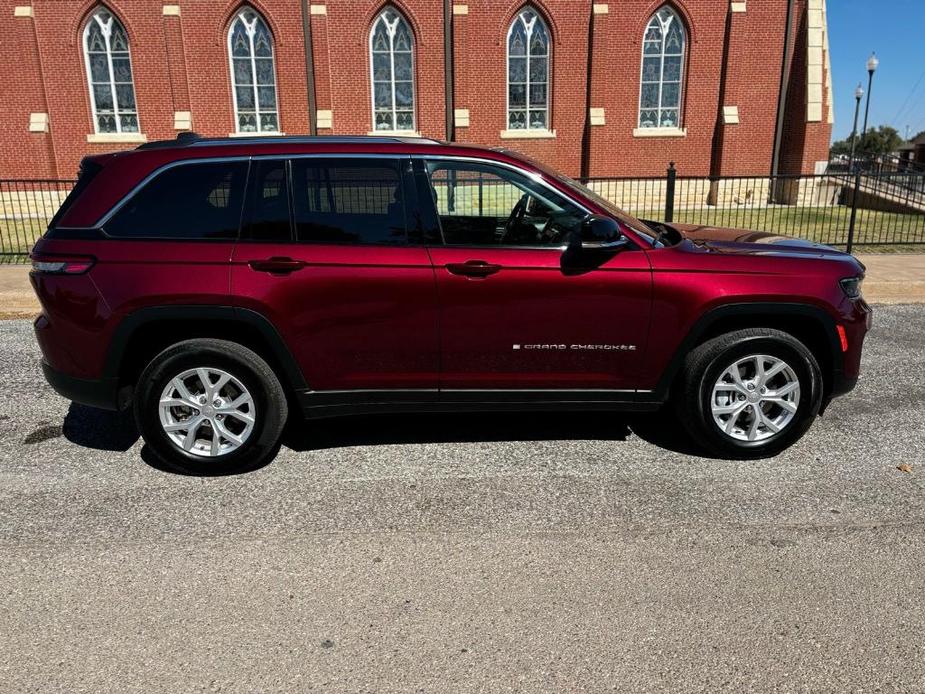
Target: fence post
x,y
669,192
854,209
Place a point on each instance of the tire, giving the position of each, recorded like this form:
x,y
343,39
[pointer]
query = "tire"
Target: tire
x,y
714,363
251,391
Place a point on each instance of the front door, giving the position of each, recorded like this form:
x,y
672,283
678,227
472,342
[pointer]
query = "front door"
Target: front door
x,y
516,312
324,254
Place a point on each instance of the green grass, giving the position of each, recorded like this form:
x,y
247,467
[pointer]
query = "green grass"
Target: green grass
x,y
17,237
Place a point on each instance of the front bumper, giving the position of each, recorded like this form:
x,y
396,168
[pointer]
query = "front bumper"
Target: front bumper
x,y
103,393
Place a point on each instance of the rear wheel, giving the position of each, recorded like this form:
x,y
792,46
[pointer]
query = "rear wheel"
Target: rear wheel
x,y
210,407
749,393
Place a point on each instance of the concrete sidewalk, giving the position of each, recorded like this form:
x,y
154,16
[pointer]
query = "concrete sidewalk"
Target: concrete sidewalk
x,y
892,278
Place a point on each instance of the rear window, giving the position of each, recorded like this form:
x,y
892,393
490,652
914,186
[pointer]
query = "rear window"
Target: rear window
x,y
348,202
88,171
198,200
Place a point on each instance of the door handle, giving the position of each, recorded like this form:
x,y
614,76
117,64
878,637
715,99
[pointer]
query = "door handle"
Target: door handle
x,y
277,265
473,268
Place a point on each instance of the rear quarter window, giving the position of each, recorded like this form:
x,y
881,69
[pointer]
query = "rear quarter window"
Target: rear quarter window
x,y
195,201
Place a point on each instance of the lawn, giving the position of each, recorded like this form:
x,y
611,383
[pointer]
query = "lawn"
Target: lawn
x,y
17,237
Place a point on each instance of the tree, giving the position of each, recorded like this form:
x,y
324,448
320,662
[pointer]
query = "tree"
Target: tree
x,y
875,142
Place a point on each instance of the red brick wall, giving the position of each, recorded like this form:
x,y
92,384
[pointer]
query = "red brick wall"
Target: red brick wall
x,y
181,63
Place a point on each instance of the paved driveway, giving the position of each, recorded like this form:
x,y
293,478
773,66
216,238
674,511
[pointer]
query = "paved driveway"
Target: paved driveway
x,y
458,553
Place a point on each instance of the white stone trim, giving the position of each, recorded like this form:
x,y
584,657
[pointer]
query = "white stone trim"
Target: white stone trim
x,y
263,133
461,117
598,116
182,120
318,9
660,132
600,8
730,115
527,134
38,122
737,6
113,138
171,10
460,9
22,11
324,118
395,133
816,43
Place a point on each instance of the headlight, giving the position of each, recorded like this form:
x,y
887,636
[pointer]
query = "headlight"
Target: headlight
x,y
852,286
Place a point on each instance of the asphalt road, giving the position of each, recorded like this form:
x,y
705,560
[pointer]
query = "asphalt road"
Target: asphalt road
x,y
477,553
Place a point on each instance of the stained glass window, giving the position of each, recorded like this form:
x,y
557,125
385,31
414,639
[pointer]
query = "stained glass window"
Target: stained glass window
x,y
663,45
391,55
109,74
253,73
528,72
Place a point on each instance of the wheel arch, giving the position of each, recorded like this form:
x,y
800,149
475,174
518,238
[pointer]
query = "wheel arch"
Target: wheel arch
x,y
810,324
145,333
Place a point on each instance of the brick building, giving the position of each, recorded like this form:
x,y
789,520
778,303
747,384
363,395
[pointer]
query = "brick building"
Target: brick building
x,y
720,87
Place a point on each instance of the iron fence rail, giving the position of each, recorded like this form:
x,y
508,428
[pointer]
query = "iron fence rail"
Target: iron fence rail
x,y
837,208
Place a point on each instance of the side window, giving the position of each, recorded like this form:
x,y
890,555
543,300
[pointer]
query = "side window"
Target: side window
x,y
485,205
348,201
189,201
267,212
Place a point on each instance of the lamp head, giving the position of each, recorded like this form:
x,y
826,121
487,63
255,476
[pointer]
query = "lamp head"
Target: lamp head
x,y
872,62
859,92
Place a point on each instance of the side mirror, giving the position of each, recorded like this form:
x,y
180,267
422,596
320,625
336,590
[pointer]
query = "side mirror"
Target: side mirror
x,y
598,232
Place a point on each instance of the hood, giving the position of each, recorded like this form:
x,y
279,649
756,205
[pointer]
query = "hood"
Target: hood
x,y
744,241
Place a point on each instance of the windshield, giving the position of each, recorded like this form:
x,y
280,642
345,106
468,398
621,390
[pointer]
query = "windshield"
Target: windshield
x,y
636,225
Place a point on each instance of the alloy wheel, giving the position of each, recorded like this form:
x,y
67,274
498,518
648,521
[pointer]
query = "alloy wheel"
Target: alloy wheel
x,y
207,412
755,398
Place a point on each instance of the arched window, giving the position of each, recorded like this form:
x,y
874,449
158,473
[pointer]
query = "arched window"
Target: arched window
x,y
663,48
253,73
391,60
528,72
109,74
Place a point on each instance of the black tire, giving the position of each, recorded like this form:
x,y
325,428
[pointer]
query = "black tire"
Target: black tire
x,y
705,364
262,442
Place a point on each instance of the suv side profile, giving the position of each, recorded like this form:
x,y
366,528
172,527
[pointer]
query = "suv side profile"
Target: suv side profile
x,y
218,286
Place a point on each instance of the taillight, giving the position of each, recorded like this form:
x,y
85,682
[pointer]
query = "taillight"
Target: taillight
x,y
62,265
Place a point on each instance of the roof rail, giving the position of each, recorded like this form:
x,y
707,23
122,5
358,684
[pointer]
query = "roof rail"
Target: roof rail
x,y
191,139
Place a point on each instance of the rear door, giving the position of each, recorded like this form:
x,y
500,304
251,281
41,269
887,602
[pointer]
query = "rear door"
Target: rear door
x,y
325,255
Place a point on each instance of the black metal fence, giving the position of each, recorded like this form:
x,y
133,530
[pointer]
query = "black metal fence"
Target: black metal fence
x,y
864,207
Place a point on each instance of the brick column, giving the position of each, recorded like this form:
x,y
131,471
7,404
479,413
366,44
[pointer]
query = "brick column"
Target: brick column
x,y
176,67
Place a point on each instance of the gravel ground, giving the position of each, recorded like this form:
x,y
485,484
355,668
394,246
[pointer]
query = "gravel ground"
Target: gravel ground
x,y
468,553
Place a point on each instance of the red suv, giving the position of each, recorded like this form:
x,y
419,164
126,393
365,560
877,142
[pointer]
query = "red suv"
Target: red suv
x,y
219,285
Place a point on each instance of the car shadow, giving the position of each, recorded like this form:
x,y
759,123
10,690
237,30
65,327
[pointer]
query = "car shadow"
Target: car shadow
x,y
396,429
101,430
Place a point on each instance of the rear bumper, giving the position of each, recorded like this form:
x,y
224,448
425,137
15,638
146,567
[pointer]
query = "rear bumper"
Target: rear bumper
x,y
102,393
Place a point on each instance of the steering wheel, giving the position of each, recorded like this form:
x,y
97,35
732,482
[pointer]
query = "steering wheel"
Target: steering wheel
x,y
515,218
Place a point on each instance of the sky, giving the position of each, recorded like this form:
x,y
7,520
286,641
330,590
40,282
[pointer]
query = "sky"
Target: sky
x,y
895,30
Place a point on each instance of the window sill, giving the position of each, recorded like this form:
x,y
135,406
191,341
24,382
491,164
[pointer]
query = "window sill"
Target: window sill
x,y
660,132
112,138
257,134
528,134
394,133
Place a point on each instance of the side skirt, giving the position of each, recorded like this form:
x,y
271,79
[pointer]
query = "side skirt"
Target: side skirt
x,y
335,403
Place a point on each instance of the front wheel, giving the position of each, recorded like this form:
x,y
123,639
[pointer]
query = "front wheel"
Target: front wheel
x,y
210,407
749,393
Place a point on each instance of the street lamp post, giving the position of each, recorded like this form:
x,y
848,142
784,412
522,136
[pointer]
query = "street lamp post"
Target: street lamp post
x,y
872,64
858,93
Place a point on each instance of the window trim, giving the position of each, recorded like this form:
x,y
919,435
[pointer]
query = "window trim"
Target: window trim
x,y
413,130
239,17
117,112
678,129
507,77
533,176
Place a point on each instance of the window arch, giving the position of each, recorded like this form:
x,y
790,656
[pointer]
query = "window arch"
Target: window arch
x,y
253,73
391,64
528,72
663,49
109,74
